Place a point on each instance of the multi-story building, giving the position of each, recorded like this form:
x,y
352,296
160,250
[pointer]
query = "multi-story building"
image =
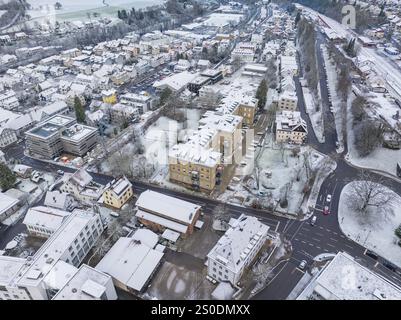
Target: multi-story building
x,y
7,136
109,96
59,134
290,127
122,113
160,212
81,186
142,101
236,249
41,276
198,162
8,100
118,192
288,100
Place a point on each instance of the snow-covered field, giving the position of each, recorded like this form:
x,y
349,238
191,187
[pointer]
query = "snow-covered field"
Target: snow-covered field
x,y
281,175
375,231
77,9
316,116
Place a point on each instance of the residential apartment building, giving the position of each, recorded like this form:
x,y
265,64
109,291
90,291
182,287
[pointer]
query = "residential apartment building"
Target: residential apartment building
x,y
41,276
142,101
118,192
109,96
81,186
236,249
160,212
59,134
290,127
288,100
7,137
198,163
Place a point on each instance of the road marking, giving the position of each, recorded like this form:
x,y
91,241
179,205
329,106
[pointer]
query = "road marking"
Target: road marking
x,y
320,234
278,223
311,244
332,239
348,246
330,245
335,233
321,227
303,241
296,239
377,263
328,230
318,247
314,239
306,229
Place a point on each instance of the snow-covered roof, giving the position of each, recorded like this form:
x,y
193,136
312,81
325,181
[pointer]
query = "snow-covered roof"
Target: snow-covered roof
x,y
234,247
131,262
170,235
54,248
345,279
6,202
168,207
86,284
49,218
176,81
119,186
9,267
59,275
57,199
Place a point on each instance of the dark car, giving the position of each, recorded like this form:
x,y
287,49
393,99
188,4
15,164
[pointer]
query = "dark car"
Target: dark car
x,y
389,266
371,254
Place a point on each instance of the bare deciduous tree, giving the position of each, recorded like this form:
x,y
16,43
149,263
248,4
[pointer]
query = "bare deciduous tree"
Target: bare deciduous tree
x,y
370,193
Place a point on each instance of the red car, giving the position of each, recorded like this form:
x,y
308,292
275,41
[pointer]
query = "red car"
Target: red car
x,y
326,210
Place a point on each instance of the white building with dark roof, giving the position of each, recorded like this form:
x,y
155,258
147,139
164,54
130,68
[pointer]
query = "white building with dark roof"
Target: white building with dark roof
x,y
236,249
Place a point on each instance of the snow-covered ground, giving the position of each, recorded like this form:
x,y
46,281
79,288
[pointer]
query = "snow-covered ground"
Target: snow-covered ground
x,y
381,159
77,9
374,231
316,116
280,173
332,80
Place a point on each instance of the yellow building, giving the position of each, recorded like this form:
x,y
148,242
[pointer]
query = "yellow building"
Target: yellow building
x,y
118,192
109,96
198,163
246,110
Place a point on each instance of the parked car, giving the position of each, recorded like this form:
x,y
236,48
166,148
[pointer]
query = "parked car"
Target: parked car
x,y
60,172
302,265
326,210
313,220
371,254
389,266
328,198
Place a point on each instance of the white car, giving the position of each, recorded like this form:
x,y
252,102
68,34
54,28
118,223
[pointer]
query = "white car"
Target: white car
x,y
302,265
328,198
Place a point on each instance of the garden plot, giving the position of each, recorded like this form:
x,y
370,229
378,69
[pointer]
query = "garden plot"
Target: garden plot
x,y
374,230
280,181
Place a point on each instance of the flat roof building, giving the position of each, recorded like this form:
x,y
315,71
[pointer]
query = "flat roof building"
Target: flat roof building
x,y
59,134
343,278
